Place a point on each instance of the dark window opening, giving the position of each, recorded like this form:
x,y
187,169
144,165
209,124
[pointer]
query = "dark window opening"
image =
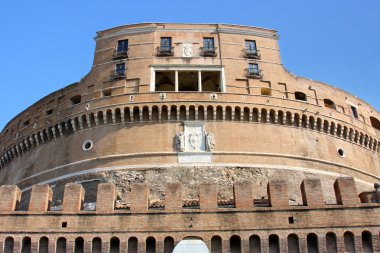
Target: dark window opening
x,y
107,92
97,245
26,245
43,245
119,71
354,112
49,112
61,245
375,123
293,244
165,81
165,48
150,245
331,245
251,49
132,245
188,81
291,220
235,244
254,244
216,244
211,81
349,242
168,245
9,245
312,243
329,104
64,224
253,70
76,99
26,123
367,242
79,245
274,244
300,96
121,50
115,245
208,48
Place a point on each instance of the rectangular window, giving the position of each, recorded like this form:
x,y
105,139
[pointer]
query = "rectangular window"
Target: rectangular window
x,y
253,69
122,46
208,43
250,46
166,43
120,69
354,112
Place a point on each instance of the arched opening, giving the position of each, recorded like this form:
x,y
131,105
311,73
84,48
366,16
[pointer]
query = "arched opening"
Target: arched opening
x,y
255,115
109,117
136,114
280,119
367,242
296,122
237,114
246,114
274,244
235,244
43,245
96,245
349,242
164,113
165,80
132,245
155,113
201,113
216,244
228,113
304,121
117,115
173,112
331,246
293,243
150,245
168,244
311,123
210,112
219,113
329,104
312,243
61,245
79,245
9,245
288,118
127,114
263,115
192,112
300,96
145,113
375,122
182,112
114,245
100,118
26,245
254,244
191,244
272,116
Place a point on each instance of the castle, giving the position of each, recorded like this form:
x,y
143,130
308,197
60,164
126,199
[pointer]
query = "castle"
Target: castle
x,y
191,137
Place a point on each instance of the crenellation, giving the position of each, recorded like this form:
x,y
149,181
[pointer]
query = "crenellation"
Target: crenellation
x,y
106,197
139,198
10,196
312,193
73,198
208,195
40,198
278,193
345,191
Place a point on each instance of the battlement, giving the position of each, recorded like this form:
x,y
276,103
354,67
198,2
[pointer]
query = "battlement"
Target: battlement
x,y
139,201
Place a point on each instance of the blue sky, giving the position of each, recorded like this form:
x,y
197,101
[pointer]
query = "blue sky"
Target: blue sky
x,y
46,45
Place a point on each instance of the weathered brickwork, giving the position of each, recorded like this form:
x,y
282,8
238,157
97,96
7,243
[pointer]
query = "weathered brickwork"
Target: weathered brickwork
x,y
191,132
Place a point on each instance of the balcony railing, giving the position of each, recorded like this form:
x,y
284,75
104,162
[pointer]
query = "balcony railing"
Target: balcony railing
x,y
253,73
120,54
117,74
252,54
208,51
165,51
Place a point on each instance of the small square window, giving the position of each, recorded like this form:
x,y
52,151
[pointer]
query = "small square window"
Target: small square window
x,y
107,92
166,43
291,220
49,112
76,99
354,112
64,224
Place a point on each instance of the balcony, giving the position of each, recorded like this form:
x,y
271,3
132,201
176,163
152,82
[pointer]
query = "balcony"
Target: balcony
x,y
253,73
117,74
120,54
252,54
208,51
165,51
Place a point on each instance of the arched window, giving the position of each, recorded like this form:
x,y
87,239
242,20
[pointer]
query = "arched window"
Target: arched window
x,y
114,245
216,244
367,242
349,242
293,243
168,244
274,244
96,245
331,246
375,122
26,245
8,245
254,244
132,245
329,104
43,246
235,244
79,245
150,245
312,243
61,245
300,96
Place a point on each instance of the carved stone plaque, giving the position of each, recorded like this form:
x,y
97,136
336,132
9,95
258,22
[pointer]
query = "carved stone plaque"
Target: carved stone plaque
x,y
187,50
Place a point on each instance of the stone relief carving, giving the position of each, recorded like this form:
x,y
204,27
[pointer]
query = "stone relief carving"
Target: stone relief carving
x,y
187,50
210,142
180,142
194,141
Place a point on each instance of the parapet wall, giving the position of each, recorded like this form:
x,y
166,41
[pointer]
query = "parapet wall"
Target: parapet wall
x,y
226,225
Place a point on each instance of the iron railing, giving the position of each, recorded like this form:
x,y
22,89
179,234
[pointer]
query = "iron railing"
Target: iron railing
x,y
120,54
253,73
252,53
208,51
165,51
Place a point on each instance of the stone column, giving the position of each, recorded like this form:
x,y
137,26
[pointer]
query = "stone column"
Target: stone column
x,y
200,81
176,80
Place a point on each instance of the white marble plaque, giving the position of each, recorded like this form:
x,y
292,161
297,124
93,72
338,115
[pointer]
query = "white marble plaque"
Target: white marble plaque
x,y
187,50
